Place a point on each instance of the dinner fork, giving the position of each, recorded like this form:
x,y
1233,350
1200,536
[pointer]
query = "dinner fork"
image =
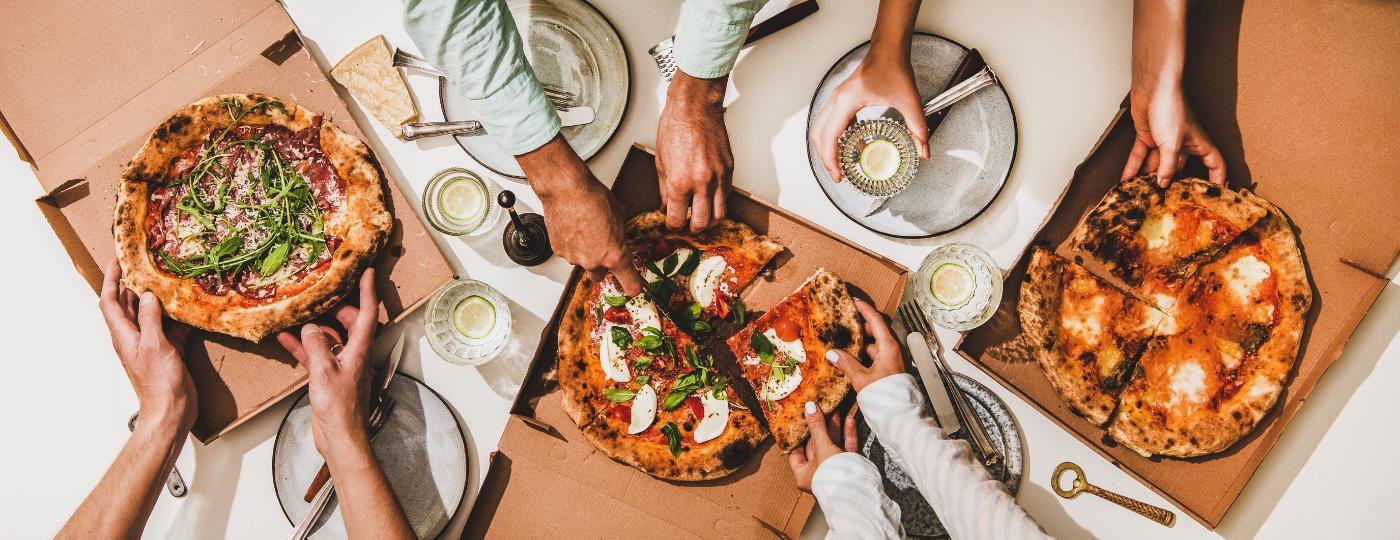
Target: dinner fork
x,y
559,97
912,315
322,500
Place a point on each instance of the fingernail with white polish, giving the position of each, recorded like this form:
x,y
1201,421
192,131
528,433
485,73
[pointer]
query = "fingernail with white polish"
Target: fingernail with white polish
x,y
810,407
832,357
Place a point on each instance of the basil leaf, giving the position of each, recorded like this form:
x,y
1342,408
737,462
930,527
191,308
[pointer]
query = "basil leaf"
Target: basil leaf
x,y
779,373
660,290
619,395
737,312
598,315
692,312
643,379
649,342
615,300
673,437
675,399
690,263
762,347
700,327
275,259
642,362
621,337
669,264
692,358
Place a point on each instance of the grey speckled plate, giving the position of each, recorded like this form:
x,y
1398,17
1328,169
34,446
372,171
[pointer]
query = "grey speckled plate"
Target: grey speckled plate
x,y
971,152
571,46
915,513
421,448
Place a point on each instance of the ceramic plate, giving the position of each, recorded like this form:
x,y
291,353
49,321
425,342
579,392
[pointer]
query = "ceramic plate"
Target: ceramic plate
x,y
421,448
971,152
915,513
571,47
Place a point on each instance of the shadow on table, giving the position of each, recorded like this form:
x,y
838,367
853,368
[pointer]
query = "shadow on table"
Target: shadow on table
x,y
218,467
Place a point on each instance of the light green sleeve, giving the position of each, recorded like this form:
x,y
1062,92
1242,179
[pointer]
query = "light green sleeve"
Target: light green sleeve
x,y
477,44
710,34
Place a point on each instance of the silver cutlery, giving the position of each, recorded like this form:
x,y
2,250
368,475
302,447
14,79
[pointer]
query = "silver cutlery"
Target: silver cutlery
x,y
664,52
322,500
912,315
572,116
387,373
174,483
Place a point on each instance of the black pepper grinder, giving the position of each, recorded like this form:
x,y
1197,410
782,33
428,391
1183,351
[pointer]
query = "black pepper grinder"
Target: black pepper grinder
x,y
526,240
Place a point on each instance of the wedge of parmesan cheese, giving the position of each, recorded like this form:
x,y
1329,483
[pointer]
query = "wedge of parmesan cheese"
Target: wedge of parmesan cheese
x,y
369,73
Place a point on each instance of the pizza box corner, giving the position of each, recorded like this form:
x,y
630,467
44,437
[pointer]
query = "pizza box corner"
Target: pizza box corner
x,y
1278,123
542,458
86,83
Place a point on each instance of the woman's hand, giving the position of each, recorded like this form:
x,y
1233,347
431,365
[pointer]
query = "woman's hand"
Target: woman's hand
x,y
151,356
826,435
879,80
885,355
339,388
1167,132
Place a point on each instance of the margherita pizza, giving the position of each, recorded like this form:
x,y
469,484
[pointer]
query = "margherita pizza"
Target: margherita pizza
x,y
246,214
782,354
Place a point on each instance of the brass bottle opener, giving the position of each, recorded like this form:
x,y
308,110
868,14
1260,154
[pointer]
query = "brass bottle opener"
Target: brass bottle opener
x,y
1165,517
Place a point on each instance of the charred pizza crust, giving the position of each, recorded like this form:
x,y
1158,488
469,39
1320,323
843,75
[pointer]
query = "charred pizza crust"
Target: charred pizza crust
x,y
645,229
363,224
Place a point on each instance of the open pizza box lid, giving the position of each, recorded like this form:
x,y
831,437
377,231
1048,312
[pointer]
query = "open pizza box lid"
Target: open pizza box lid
x,y
83,86
543,462
1305,121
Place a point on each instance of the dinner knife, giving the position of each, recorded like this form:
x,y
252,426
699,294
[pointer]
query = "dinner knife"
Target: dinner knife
x,y
971,65
391,368
937,393
664,52
569,116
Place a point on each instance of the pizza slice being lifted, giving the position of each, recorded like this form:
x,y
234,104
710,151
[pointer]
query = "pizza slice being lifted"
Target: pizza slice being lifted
x,y
697,277
782,354
1086,335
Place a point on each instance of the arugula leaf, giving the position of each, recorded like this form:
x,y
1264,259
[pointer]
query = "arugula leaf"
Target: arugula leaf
x,y
673,437
780,373
615,300
621,337
690,263
738,405
762,347
274,260
737,312
619,395
642,362
598,315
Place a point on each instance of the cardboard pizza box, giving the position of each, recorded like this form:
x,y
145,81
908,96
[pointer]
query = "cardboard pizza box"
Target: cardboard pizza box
x,y
543,462
1304,129
83,86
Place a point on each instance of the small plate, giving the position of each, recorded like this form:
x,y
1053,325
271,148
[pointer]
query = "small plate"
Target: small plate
x,y
571,46
972,151
421,448
915,513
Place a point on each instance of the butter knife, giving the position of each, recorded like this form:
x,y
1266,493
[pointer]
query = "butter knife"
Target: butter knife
x,y
970,66
391,367
571,116
943,410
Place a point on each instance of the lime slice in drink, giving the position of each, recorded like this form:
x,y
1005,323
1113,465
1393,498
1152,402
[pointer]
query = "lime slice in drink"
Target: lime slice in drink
x,y
951,284
879,160
462,200
474,317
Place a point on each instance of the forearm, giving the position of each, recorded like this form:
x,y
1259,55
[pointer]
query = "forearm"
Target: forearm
x,y
960,491
1159,44
849,490
122,501
555,171
367,501
894,29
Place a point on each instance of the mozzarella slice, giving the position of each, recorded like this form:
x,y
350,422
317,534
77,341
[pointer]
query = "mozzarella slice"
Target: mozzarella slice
x,y
774,390
1188,383
681,255
1157,230
792,348
612,359
706,279
643,410
716,417
1088,327
643,313
1246,274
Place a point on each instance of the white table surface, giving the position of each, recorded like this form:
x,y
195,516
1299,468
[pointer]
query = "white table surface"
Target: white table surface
x,y
1065,66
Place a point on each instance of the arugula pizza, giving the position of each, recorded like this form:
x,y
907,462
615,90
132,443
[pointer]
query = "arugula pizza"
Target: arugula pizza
x,y
246,214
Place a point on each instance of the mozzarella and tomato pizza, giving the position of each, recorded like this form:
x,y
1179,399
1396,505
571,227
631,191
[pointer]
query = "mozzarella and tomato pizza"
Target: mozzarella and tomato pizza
x,y
246,214
1208,341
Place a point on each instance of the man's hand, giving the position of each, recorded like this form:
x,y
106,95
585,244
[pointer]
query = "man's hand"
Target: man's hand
x,y
886,79
826,435
886,357
1167,132
339,388
151,356
584,220
693,158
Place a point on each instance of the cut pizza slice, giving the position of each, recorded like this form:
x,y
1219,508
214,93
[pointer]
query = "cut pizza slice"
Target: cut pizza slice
x,y
697,277
782,354
1153,239
1086,335
1236,328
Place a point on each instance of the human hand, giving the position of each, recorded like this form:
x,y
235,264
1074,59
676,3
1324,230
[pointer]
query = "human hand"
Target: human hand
x,y
886,357
694,163
151,356
339,388
879,80
1167,132
826,434
584,220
